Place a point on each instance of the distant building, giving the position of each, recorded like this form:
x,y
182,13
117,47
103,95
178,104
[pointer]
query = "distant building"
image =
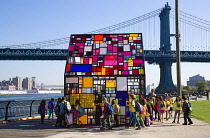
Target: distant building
x,y
27,83
17,81
9,87
194,79
33,83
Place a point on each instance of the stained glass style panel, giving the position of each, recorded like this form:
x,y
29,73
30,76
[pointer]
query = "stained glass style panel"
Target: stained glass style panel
x,y
104,65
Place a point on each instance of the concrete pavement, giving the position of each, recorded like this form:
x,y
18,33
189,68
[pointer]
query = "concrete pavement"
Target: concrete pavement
x,y
33,128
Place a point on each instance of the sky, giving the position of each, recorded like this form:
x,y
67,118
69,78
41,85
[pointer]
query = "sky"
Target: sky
x,y
29,21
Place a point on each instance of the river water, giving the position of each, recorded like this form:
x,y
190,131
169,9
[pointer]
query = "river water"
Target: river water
x,y
29,96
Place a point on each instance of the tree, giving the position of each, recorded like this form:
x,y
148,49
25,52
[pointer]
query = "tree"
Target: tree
x,y
202,86
187,88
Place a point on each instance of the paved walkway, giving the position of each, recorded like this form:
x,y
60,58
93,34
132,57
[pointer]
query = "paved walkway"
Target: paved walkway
x,y
33,128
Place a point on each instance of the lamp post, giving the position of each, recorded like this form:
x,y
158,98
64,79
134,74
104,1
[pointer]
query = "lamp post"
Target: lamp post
x,y
178,68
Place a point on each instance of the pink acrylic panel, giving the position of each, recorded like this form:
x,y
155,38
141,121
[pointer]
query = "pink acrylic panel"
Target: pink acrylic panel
x,y
125,66
138,61
71,48
81,50
86,60
115,49
120,38
127,53
120,59
79,44
95,58
125,72
110,47
110,60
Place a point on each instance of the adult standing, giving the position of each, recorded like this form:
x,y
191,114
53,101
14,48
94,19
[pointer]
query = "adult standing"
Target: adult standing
x,y
186,111
42,109
51,107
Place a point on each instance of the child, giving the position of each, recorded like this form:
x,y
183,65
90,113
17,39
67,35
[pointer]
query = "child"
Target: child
x,y
157,108
116,108
178,105
167,102
162,108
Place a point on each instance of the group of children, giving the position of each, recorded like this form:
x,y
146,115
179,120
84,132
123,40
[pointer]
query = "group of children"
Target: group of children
x,y
154,108
142,112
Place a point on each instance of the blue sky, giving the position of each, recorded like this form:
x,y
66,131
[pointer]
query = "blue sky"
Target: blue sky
x,y
28,21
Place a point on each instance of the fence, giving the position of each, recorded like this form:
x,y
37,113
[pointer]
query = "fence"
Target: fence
x,y
12,109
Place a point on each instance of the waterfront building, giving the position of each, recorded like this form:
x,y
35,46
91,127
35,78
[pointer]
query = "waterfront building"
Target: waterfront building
x,y
27,83
17,81
9,87
194,79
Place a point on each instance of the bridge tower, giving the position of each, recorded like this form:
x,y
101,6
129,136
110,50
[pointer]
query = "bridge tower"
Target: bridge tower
x,y
166,84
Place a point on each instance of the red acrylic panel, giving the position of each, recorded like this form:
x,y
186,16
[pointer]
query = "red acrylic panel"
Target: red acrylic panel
x,y
68,67
98,37
135,71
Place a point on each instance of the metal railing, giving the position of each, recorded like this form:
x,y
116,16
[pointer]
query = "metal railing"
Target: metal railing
x,y
20,108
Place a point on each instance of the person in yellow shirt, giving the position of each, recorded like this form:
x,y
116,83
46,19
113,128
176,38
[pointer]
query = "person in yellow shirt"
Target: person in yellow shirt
x,y
162,108
133,112
116,108
178,106
167,102
171,106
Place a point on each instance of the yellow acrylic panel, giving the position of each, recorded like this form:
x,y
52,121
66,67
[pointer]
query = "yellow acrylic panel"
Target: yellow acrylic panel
x,y
133,35
103,71
130,62
90,61
141,71
135,38
100,42
140,50
87,100
84,119
99,73
73,98
81,60
87,82
110,85
80,90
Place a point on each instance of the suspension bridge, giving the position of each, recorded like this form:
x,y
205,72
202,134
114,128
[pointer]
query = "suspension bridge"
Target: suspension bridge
x,y
159,48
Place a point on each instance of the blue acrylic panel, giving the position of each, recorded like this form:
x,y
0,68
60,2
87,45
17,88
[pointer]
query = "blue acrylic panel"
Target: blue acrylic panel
x,y
122,94
122,103
81,68
128,113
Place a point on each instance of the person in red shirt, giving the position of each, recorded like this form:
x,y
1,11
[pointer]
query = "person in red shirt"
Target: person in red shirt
x,y
107,116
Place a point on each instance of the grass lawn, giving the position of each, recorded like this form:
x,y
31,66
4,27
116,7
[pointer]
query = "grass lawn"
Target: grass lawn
x,y
201,110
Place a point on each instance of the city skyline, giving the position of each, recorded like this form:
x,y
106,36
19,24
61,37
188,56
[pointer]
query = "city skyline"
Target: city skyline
x,y
25,23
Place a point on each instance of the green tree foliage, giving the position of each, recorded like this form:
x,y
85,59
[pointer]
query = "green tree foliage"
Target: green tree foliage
x,y
187,88
202,86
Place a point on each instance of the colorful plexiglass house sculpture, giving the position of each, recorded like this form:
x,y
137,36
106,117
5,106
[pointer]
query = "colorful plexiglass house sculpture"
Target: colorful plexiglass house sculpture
x,y
104,65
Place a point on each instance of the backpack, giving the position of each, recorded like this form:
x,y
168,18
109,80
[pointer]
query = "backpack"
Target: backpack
x,y
143,112
156,107
98,110
149,108
110,109
137,106
81,111
190,107
67,106
116,108
50,105
41,109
